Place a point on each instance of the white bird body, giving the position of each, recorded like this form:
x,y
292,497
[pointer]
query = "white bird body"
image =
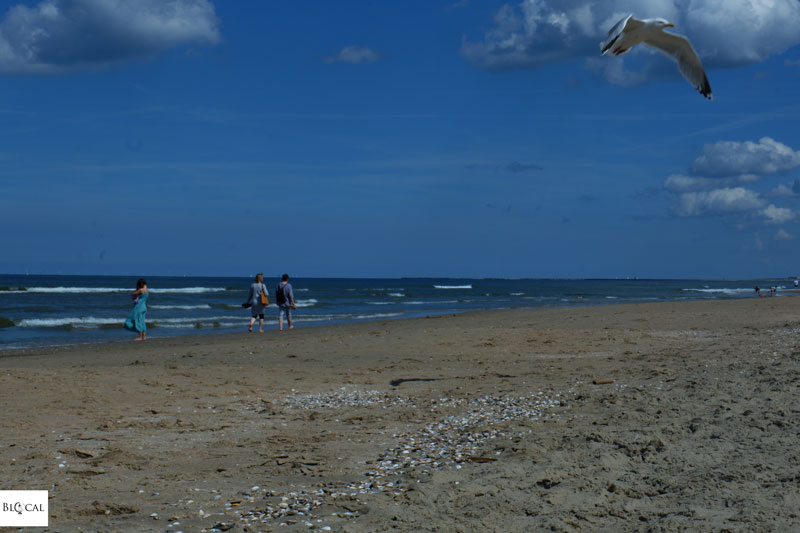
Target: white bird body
x,y
630,31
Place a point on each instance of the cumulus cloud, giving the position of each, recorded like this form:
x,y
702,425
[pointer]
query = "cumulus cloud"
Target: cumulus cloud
x,y
679,184
718,202
713,186
783,235
728,158
63,35
792,189
725,33
354,54
777,215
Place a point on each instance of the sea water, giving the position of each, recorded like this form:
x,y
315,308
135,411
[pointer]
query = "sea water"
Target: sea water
x,y
57,310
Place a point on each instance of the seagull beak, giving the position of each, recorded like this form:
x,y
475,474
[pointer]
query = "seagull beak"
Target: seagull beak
x,y
669,25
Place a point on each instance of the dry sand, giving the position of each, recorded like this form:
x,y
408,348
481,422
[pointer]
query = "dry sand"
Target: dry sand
x,y
477,422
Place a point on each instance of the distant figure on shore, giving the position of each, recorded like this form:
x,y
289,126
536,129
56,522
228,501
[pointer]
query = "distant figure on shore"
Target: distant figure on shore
x,y
284,298
136,319
796,283
773,290
758,291
257,301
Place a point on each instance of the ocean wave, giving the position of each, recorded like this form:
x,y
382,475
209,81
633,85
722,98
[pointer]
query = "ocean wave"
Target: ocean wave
x,y
74,322
94,322
191,320
317,318
397,294
376,315
517,294
71,290
182,307
452,286
188,290
381,303
721,291
232,307
306,303
100,290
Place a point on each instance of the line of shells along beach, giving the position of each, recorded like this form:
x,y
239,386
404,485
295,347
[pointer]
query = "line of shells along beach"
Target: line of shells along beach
x,y
462,432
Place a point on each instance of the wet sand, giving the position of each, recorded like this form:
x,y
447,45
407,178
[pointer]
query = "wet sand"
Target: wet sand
x,y
481,421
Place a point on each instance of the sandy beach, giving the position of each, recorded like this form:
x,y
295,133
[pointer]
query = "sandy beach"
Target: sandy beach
x,y
488,421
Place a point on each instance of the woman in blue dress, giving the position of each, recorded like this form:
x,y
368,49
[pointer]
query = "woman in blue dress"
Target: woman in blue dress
x,y
136,319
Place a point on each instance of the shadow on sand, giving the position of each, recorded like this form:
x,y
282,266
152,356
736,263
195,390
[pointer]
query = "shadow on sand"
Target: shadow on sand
x,y
397,382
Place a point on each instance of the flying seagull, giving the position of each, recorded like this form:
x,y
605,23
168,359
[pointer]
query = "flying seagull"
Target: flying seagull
x,y
630,31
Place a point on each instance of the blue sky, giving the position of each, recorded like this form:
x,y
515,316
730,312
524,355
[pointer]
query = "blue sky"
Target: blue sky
x,y
469,138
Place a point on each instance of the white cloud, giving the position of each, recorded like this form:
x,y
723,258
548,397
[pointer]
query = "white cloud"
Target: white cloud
x,y
782,235
722,166
777,215
718,202
354,54
793,189
63,35
678,183
724,32
728,158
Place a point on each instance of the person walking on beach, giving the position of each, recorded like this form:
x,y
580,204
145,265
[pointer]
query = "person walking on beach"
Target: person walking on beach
x,y
136,319
284,297
257,301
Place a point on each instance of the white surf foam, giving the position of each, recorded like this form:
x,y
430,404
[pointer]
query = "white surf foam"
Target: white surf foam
x,y
722,291
72,290
376,315
187,290
452,286
77,322
98,290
